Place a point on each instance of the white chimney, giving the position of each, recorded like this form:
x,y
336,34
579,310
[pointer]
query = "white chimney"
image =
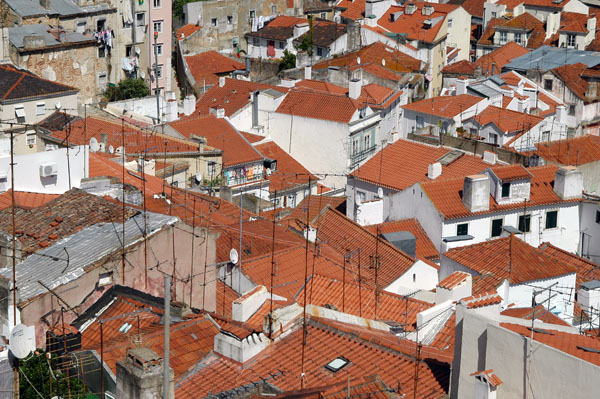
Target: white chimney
x,y
521,104
308,72
461,86
246,305
355,88
240,349
588,295
455,287
561,113
476,193
218,112
490,157
568,182
189,104
221,81
434,170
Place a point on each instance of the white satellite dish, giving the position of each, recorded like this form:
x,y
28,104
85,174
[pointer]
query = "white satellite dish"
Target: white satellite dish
x,y
358,60
198,177
111,149
94,146
380,192
383,61
233,256
22,341
119,150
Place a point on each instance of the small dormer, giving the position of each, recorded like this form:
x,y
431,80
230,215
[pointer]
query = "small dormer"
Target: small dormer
x,y
486,384
510,183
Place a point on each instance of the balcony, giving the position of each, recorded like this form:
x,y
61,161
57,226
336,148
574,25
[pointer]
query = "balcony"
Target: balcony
x,y
360,156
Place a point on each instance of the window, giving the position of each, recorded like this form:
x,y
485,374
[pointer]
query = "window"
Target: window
x,y
547,84
497,227
20,113
450,23
281,45
414,277
213,22
140,19
462,229
420,122
101,51
252,14
598,217
158,26
546,135
81,25
367,142
31,136
40,108
157,3
323,15
319,51
572,109
255,41
100,24
273,9
571,41
505,190
493,14
229,20
494,139
159,72
337,364
128,50
551,219
105,279
362,196
159,49
503,37
518,38
525,223
355,145
102,81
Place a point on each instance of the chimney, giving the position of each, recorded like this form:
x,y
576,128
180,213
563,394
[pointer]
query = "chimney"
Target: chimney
x,y
218,112
568,182
490,157
461,85
308,72
588,295
434,170
520,87
221,81
284,320
140,375
427,10
240,349
355,88
476,193
561,113
455,287
189,104
246,305
410,8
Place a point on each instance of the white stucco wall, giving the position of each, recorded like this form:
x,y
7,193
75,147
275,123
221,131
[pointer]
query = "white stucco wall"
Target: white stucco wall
x,y
590,231
521,295
420,276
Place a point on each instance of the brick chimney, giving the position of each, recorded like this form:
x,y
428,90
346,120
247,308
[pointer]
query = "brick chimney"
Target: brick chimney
x,y
140,375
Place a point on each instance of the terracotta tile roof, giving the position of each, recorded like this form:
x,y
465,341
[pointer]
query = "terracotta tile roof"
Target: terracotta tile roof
x,y
424,248
289,173
499,57
564,342
279,364
221,134
490,376
540,313
316,204
508,258
324,33
415,159
412,24
571,76
487,37
225,297
239,329
586,269
256,321
573,22
137,141
377,70
18,84
462,67
453,280
473,7
371,387
374,54
252,138
446,194
575,151
343,234
187,31
232,97
280,28
482,299
353,9
61,217
546,3
508,173
444,106
376,96
321,86
287,21
507,121
25,200
533,26
510,4
208,66
317,105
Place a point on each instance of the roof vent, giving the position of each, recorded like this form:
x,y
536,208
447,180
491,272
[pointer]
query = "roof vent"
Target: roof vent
x,y
410,8
427,10
395,15
427,24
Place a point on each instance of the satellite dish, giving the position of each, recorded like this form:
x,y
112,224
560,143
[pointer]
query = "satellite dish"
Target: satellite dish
x,y
119,150
57,105
233,256
383,61
380,192
94,146
198,177
111,149
143,75
358,60
22,341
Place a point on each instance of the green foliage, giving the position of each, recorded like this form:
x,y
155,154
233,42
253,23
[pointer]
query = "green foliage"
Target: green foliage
x,y
127,88
288,61
307,43
178,7
36,368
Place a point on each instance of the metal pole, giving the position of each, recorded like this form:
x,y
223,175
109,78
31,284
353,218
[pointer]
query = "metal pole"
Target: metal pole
x,y
62,316
167,325
14,248
156,76
101,359
123,202
241,235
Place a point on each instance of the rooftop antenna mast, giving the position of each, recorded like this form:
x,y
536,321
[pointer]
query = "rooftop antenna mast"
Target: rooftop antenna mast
x,y
273,269
14,244
123,201
377,264
304,330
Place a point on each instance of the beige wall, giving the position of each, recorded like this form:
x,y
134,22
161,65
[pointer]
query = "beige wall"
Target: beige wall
x,y
7,111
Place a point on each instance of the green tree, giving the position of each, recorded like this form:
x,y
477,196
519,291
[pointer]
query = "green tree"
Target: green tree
x,y
307,43
36,369
178,7
288,61
127,88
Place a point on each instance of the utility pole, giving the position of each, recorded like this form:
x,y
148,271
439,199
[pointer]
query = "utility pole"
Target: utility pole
x,y
14,247
167,326
156,76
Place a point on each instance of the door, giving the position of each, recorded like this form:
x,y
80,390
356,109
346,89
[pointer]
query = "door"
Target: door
x,y
271,48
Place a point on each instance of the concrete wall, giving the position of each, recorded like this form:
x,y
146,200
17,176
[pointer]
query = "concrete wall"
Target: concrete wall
x,y
420,276
590,231
521,295
360,189
7,111
459,34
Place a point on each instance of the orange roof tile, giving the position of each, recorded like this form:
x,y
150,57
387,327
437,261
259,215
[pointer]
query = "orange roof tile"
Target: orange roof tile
x,y
540,313
571,76
368,353
314,205
482,299
353,9
219,133
473,7
25,200
586,269
344,235
424,248
225,297
444,106
546,3
564,342
454,280
383,168
507,121
377,70
489,376
413,24
446,194
573,22
499,57
508,173
377,96
187,31
318,105
508,258
525,21
321,86
462,67
206,67
575,151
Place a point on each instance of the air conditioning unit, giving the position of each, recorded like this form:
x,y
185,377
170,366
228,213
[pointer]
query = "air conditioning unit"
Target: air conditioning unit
x,y
48,169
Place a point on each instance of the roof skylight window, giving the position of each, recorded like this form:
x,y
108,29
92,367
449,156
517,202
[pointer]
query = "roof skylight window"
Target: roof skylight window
x,y
337,364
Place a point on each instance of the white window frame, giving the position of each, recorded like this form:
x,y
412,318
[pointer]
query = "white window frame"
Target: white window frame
x,y
40,109
159,46
31,137
157,4
105,279
420,121
158,23
159,71
100,76
519,38
503,37
571,41
546,219
137,21
20,111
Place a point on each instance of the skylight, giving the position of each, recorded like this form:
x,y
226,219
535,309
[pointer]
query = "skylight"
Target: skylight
x,y
336,364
